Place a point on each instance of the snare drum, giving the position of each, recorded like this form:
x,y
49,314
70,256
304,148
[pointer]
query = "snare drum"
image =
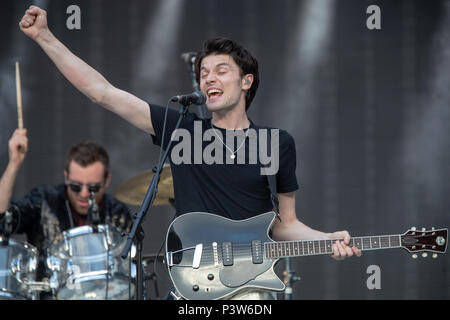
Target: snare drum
x,y
86,265
18,263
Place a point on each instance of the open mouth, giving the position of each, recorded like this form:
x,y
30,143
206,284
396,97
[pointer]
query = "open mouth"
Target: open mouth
x,y
214,93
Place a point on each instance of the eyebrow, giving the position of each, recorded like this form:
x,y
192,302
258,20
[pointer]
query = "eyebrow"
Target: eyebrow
x,y
87,184
222,64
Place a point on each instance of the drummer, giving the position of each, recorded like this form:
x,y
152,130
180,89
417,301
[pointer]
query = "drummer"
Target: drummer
x,y
46,211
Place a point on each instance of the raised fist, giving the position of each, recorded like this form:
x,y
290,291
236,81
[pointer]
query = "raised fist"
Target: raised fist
x,y
34,22
18,146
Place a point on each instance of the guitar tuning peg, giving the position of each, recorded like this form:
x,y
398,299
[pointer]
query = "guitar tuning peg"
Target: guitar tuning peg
x,y
423,229
413,228
424,255
432,228
434,255
414,256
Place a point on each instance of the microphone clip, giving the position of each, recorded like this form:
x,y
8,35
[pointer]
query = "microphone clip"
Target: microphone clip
x,y
93,213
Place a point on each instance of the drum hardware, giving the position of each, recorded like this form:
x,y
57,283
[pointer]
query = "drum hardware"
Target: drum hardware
x,y
54,264
6,229
153,276
36,287
18,263
289,279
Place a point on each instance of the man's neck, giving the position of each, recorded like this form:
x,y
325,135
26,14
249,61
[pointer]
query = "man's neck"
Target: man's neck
x,y
230,120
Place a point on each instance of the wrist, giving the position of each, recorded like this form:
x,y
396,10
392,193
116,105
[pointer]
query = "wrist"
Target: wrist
x,y
45,36
13,166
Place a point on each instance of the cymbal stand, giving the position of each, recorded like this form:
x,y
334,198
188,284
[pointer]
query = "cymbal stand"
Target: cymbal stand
x,y
289,279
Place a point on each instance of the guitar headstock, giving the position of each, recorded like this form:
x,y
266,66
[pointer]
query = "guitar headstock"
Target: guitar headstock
x,y
425,241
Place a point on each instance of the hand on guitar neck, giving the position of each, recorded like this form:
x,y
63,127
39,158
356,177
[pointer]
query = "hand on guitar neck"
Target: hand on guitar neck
x,y
341,249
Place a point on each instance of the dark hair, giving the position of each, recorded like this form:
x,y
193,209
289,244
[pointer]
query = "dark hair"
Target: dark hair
x,y
86,153
241,56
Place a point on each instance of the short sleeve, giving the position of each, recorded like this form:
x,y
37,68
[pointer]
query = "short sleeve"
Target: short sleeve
x,y
286,176
157,114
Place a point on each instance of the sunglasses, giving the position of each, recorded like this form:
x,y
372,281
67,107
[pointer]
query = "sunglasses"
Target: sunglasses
x,y
77,187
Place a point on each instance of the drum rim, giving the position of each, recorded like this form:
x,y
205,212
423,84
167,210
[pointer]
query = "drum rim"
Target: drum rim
x,y
13,294
82,230
116,278
26,245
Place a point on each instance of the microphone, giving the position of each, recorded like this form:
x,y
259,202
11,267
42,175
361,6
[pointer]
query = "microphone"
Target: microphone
x,y
197,97
189,57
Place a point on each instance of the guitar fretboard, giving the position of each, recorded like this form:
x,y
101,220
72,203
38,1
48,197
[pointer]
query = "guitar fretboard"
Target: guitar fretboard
x,y
286,249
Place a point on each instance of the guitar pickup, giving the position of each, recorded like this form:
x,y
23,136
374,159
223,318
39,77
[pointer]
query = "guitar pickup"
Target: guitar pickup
x,y
257,256
227,254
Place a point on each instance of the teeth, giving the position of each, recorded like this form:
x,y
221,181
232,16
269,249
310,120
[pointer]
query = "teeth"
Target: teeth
x,y
213,91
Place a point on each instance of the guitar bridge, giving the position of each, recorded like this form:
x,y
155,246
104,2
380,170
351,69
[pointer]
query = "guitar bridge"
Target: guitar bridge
x,y
197,257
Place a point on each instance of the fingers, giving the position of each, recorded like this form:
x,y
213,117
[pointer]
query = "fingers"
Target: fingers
x,y
30,16
356,251
342,249
336,251
19,141
27,20
33,10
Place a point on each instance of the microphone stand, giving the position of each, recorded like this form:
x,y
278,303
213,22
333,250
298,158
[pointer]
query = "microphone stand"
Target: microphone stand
x,y
93,213
137,232
195,86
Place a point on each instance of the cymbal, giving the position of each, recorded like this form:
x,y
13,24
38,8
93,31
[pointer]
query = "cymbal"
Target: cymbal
x,y
133,190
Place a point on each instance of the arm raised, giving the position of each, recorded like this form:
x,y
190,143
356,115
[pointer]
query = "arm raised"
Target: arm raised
x,y
18,147
86,79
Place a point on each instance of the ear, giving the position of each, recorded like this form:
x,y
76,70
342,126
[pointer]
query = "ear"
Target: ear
x,y
247,81
66,174
108,180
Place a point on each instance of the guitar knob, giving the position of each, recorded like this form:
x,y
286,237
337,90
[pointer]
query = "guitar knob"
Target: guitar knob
x,y
424,255
434,255
414,256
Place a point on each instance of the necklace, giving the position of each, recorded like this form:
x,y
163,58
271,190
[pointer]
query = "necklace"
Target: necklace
x,y
233,153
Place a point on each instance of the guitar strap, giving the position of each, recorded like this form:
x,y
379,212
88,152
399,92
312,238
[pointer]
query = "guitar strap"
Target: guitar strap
x,y
272,180
273,194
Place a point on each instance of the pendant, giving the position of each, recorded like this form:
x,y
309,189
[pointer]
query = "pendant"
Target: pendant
x,y
232,156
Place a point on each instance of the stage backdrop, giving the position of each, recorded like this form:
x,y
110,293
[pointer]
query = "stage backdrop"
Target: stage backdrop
x,y
363,90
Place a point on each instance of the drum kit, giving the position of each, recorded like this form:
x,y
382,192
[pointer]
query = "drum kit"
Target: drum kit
x,y
86,264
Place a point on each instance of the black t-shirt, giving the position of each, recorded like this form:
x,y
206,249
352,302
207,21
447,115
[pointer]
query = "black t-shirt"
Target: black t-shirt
x,y
237,190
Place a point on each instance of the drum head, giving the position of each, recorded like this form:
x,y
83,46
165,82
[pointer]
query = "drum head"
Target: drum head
x,y
90,264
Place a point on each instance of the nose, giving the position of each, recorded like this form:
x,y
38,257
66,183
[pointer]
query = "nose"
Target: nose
x,y
84,191
210,78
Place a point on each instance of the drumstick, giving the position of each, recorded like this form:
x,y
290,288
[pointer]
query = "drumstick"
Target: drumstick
x,y
19,97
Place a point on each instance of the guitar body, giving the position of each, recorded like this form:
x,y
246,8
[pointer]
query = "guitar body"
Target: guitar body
x,y
211,257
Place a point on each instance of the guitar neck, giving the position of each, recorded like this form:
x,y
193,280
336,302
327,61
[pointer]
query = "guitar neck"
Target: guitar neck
x,y
285,249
